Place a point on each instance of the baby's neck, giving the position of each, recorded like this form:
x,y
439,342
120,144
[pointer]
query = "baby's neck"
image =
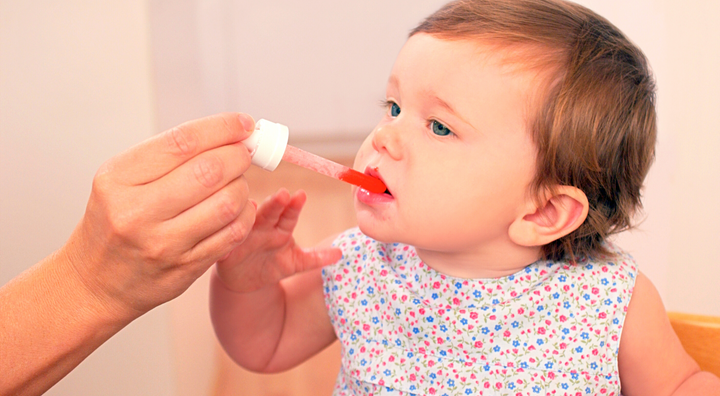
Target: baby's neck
x,y
475,265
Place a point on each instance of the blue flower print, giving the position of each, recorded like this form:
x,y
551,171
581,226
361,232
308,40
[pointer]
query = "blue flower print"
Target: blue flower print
x,y
433,376
495,301
463,321
516,343
416,330
430,319
579,349
536,389
515,324
458,285
451,383
398,311
496,348
564,385
498,327
511,385
604,281
524,365
435,296
351,351
593,366
616,321
548,365
608,302
556,295
477,294
584,335
398,342
375,320
566,305
540,341
468,391
562,278
575,376
443,328
540,308
386,372
443,353
586,296
370,290
364,302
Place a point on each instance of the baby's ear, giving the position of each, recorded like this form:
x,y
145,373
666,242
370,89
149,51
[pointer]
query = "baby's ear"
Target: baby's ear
x,y
562,213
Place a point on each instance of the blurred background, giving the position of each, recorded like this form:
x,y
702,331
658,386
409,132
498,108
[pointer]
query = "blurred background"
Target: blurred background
x,y
81,81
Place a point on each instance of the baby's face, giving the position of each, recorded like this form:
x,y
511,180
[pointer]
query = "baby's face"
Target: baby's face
x,y
453,149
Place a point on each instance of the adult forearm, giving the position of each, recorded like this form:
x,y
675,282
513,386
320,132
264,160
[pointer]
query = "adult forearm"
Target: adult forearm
x,y
247,325
700,383
49,323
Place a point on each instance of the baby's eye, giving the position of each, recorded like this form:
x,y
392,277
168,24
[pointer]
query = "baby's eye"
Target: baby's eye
x,y
440,129
394,109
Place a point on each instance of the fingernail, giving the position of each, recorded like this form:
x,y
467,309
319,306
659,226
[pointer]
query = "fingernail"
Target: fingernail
x,y
247,122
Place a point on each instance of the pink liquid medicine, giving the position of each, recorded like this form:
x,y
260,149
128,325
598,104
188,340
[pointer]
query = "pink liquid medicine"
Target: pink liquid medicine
x,y
268,145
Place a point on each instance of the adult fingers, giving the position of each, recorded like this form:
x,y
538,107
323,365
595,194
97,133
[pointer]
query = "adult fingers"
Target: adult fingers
x,y
194,181
157,156
222,242
211,215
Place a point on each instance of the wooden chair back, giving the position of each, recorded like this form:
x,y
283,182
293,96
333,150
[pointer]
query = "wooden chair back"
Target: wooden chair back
x,y
700,336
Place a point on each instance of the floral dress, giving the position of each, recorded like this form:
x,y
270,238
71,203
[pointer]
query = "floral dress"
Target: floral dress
x,y
405,329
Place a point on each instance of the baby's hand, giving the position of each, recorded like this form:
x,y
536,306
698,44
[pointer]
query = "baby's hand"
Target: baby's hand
x,y
269,253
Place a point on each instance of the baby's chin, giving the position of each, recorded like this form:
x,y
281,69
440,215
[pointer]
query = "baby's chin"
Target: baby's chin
x,y
376,234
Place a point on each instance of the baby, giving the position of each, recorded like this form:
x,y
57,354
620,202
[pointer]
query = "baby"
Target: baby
x,y
517,137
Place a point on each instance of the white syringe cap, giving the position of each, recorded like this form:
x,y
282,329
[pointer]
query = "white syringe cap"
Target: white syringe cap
x,y
267,144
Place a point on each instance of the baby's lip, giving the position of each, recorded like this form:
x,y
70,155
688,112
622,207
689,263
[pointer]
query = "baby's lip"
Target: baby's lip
x,y
374,172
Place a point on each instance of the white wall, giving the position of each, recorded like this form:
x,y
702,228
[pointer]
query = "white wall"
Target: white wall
x,y
77,86
75,89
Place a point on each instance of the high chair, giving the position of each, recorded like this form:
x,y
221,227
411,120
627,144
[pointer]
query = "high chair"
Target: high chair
x,y
700,336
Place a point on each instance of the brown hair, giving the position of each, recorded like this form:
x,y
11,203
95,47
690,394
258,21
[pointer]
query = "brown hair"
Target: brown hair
x,y
595,126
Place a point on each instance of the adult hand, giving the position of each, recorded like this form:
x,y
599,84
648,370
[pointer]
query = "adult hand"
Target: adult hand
x,y
161,213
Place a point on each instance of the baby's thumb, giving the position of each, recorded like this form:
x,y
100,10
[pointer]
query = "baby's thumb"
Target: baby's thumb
x,y
320,257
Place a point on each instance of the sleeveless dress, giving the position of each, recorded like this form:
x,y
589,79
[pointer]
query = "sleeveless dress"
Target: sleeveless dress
x,y
552,328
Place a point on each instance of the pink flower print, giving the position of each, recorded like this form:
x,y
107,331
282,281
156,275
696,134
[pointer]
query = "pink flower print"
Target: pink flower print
x,y
456,301
566,288
439,340
595,290
478,344
473,315
404,298
541,330
520,311
486,385
436,285
602,315
338,278
506,334
366,327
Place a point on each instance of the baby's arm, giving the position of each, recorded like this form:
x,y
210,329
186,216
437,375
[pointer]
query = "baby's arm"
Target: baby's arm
x,y
266,298
651,359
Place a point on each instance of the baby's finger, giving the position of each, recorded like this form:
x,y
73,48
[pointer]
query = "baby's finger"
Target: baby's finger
x,y
272,208
291,214
212,214
159,155
307,259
